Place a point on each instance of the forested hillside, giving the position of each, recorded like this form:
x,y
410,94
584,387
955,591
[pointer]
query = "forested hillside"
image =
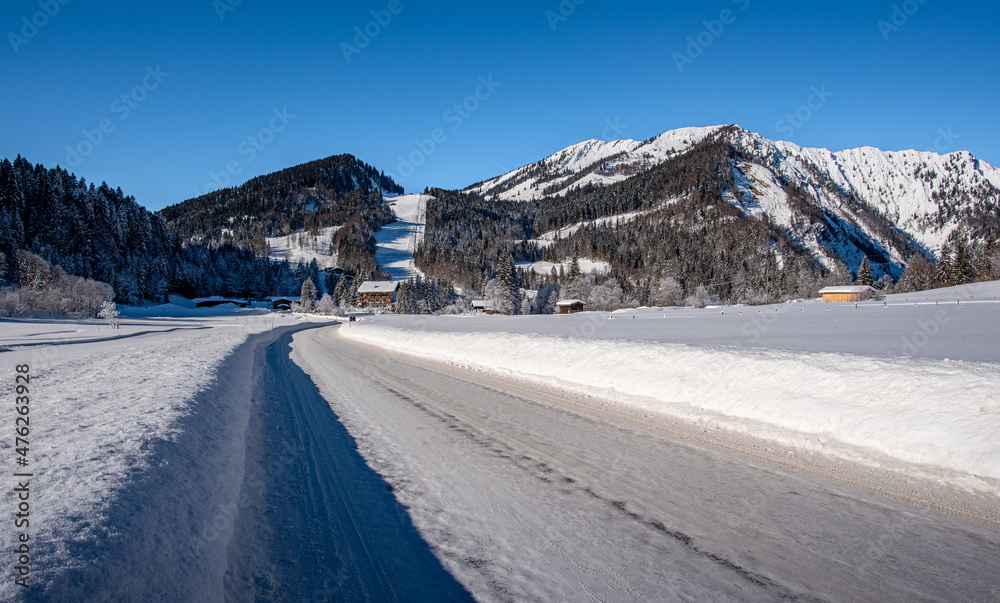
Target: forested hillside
x,y
724,214
100,233
688,233
320,193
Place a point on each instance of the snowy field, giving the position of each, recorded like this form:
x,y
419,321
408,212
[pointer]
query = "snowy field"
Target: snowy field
x,y
397,241
913,380
136,438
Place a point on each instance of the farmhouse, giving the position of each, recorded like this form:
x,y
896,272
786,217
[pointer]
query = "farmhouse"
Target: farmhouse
x,y
570,306
484,306
378,294
847,293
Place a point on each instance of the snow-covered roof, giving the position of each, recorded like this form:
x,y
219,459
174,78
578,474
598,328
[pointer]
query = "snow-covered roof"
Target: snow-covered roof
x,y
293,298
218,298
847,289
378,286
570,302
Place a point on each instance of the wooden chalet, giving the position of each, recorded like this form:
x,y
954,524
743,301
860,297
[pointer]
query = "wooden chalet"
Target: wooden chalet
x,y
851,293
378,294
571,306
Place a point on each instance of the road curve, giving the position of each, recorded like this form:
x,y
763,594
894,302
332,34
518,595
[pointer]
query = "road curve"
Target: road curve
x,y
524,498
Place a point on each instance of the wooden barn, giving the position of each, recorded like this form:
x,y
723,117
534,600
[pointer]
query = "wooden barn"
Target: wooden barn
x,y
571,306
378,294
851,293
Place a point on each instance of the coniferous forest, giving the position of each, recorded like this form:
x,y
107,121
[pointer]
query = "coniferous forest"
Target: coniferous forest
x,y
99,233
320,193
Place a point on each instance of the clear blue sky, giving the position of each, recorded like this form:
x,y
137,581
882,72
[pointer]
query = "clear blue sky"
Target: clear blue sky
x,y
561,80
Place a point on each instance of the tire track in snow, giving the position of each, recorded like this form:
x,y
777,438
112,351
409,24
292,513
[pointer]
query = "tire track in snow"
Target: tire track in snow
x,y
325,526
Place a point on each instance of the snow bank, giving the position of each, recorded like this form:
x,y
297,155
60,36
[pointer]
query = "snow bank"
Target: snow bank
x,y
923,412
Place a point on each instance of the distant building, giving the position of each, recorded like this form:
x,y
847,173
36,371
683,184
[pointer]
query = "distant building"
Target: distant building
x,y
211,302
483,305
848,293
378,294
283,302
571,306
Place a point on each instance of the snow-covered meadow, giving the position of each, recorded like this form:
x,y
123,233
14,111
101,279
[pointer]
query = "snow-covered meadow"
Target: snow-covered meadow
x,y
911,380
143,420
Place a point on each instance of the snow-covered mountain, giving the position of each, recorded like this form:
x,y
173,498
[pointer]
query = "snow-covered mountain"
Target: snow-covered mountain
x,y
591,162
836,204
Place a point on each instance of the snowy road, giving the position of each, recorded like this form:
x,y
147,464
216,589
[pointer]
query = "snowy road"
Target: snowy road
x,y
531,496
314,522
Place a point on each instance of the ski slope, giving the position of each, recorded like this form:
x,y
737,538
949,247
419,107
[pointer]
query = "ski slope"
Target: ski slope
x,y
397,241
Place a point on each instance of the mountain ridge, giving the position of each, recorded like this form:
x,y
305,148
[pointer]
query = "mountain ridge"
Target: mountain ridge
x,y
925,194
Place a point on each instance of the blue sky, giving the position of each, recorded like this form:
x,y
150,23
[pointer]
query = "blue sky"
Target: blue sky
x,y
198,92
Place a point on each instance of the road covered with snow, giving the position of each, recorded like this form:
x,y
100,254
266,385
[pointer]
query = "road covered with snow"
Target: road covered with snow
x,y
397,241
527,492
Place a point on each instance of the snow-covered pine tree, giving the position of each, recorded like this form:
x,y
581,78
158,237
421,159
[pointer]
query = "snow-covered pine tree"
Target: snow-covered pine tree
x,y
942,273
507,275
353,297
865,276
962,270
987,262
341,290
308,295
574,267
